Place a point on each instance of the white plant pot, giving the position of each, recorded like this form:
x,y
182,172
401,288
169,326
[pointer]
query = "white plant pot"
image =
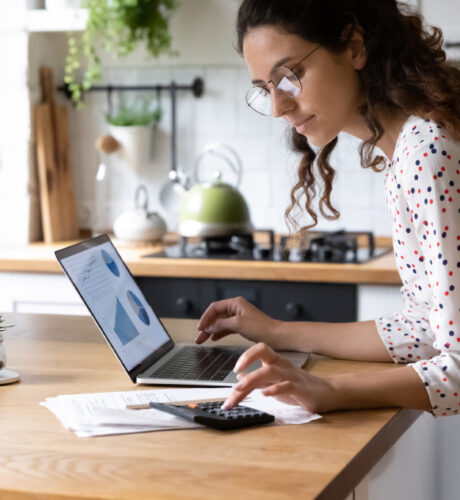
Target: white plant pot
x,y
136,144
6,376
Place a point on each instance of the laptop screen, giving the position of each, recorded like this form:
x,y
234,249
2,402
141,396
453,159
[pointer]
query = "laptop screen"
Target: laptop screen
x,y
115,301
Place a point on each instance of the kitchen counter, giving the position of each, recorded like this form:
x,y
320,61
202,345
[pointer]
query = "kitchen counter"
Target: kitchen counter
x,y
325,459
39,258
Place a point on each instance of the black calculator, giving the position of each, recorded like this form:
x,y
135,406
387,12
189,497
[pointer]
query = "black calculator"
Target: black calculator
x,y
212,415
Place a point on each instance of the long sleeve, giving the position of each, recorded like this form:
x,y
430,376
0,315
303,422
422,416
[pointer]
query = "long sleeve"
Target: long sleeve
x,y
423,192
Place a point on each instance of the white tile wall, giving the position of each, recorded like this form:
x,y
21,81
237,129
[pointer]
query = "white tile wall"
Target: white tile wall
x,y
222,115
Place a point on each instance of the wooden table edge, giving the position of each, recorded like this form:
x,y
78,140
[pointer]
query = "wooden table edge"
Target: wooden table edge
x,y
356,470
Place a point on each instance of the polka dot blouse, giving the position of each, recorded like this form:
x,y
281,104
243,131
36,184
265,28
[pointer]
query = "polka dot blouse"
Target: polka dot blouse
x,y
422,188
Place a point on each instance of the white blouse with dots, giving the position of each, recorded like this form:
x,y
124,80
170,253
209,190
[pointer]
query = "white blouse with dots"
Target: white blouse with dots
x,y
422,188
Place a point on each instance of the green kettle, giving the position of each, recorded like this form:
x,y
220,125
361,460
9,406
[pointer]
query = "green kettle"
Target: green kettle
x,y
215,208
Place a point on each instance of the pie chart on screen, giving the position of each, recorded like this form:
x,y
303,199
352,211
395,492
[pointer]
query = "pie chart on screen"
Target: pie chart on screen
x,y
109,262
138,308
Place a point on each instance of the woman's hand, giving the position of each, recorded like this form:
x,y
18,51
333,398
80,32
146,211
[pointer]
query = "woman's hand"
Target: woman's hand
x,y
236,315
281,379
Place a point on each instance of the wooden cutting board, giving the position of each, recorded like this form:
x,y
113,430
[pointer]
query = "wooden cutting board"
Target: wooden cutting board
x,y
52,139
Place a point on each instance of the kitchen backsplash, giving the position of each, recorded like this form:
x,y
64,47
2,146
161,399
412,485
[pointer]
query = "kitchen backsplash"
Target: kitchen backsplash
x,y
220,115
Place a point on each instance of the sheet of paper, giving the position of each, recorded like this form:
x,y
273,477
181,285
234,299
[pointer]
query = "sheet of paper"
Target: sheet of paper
x,y
284,414
98,414
81,412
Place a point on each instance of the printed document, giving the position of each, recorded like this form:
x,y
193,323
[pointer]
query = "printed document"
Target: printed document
x,y
99,414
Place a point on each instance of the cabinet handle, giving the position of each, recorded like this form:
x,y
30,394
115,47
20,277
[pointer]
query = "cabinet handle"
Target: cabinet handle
x,y
184,305
293,310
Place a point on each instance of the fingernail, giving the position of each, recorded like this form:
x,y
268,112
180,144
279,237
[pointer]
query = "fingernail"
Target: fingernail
x,y
236,368
227,405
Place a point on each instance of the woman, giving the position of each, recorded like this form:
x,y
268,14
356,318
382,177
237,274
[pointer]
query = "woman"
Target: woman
x,y
368,68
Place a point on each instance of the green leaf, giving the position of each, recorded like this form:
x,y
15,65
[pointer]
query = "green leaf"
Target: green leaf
x,y
120,25
2,326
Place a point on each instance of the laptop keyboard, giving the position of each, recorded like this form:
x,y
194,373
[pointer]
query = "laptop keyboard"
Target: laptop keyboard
x,y
200,363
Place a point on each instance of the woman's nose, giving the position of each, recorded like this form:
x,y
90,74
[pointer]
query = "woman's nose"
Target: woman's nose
x,y
281,103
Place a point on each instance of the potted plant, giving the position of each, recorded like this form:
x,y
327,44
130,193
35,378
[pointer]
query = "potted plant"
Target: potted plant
x,y
6,376
2,348
119,25
132,127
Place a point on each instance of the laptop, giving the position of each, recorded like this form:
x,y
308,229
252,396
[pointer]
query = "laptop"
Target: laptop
x,y
133,330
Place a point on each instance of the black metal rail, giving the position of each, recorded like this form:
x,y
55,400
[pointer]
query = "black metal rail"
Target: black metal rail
x,y
197,88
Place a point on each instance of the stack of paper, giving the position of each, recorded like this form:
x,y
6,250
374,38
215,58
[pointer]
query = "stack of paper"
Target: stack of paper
x,y
98,414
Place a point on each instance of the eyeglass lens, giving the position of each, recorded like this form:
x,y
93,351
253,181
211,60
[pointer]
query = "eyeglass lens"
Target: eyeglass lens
x,y
284,81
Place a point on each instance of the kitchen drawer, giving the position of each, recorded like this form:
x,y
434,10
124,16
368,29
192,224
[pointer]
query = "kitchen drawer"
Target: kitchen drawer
x,y
188,298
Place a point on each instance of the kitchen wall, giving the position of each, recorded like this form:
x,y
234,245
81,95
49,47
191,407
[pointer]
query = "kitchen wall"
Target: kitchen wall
x,y
206,48
203,35
221,115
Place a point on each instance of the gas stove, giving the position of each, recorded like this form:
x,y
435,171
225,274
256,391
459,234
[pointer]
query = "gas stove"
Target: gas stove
x,y
334,247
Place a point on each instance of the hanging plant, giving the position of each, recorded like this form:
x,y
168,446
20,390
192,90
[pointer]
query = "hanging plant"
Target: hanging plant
x,y
137,113
120,26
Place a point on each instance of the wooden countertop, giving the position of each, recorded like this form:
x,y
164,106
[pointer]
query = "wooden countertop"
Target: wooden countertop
x,y
39,257
56,355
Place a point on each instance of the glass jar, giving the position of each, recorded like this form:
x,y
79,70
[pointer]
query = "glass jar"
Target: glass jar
x,y
100,223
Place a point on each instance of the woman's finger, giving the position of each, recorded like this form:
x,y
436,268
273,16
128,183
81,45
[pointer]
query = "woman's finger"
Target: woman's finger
x,y
220,328
201,337
257,378
261,377
283,391
220,335
214,311
281,388
258,351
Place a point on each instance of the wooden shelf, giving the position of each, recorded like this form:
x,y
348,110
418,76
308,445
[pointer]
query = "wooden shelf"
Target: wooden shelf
x,y
42,20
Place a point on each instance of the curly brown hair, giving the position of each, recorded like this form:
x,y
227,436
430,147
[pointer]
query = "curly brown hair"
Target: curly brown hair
x,y
406,72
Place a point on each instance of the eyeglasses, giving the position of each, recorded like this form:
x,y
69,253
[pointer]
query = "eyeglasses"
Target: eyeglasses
x,y
284,80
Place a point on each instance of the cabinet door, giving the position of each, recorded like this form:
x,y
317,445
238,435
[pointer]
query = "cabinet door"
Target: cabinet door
x,y
39,293
177,297
188,298
290,301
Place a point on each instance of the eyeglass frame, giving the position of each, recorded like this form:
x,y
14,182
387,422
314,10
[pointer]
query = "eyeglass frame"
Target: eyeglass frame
x,y
275,87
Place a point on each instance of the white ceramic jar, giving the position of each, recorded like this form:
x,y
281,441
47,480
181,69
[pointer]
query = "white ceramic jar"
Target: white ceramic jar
x,y
136,144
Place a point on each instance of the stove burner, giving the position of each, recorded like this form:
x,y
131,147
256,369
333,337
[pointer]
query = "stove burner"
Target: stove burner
x,y
337,247
220,245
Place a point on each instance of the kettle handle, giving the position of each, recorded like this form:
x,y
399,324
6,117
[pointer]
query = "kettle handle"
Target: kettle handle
x,y
141,197
222,151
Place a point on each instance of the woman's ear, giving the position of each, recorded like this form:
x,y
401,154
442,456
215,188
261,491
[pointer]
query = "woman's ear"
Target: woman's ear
x,y
356,48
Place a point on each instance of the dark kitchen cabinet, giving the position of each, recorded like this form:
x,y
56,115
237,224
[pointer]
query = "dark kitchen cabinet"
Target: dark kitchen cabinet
x,y
289,301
